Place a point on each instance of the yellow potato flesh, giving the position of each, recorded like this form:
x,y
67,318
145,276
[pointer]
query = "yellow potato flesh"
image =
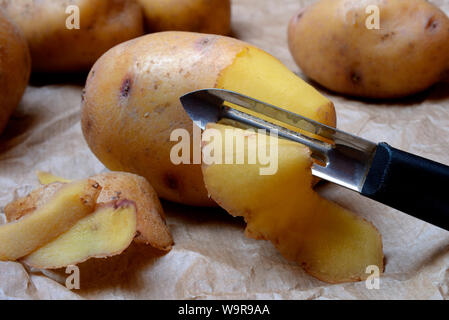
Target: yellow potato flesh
x,y
47,178
107,232
256,74
26,205
151,225
71,203
328,241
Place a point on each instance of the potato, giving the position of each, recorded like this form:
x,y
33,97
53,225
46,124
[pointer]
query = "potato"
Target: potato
x,y
206,16
55,48
15,67
151,227
131,103
332,45
75,200
105,233
328,241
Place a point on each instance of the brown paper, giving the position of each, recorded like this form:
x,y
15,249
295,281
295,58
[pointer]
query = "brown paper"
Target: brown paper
x,y
212,258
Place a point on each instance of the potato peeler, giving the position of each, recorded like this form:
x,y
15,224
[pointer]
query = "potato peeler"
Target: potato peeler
x,y
401,180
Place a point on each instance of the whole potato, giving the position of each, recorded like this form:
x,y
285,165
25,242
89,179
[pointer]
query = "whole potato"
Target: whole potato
x,y
131,103
15,66
56,48
206,16
331,43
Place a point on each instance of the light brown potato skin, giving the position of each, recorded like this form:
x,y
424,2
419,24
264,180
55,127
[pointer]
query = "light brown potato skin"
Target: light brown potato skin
x,y
205,16
331,44
15,66
36,199
54,48
116,186
69,204
131,105
151,225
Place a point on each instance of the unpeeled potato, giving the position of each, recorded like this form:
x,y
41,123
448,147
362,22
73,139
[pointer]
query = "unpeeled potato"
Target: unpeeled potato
x,y
131,103
15,67
206,16
55,48
330,42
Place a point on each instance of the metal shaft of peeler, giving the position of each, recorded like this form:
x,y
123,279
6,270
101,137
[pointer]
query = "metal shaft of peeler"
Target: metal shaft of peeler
x,y
319,148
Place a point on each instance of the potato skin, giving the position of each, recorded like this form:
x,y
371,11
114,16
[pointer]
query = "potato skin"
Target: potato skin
x,y
131,105
151,225
15,67
331,44
115,187
37,198
54,48
205,16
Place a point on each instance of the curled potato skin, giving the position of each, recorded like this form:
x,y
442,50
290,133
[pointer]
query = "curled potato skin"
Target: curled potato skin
x,y
15,67
151,225
55,48
116,186
205,16
410,52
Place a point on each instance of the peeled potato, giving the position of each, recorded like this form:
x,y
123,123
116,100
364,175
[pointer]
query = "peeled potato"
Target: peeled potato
x,y
105,233
56,48
64,209
211,16
328,241
15,67
131,103
331,43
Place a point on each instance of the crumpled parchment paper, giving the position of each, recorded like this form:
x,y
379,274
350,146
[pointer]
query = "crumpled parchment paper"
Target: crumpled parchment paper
x,y
212,258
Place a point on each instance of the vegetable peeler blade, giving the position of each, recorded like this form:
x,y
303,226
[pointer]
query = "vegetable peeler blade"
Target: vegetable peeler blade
x,y
342,158
399,179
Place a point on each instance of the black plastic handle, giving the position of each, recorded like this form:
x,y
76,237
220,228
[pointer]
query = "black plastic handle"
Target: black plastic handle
x,y
409,183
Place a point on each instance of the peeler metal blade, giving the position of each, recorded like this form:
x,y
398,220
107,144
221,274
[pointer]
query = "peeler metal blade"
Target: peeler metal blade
x,y
345,159
399,179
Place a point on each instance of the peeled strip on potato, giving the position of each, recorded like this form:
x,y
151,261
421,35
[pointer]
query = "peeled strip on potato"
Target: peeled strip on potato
x,y
68,205
107,232
151,225
328,241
